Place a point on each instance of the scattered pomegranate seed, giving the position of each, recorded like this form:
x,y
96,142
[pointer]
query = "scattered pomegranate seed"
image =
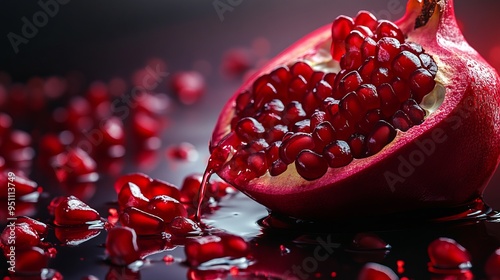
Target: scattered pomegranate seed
x,y
39,227
446,253
492,267
188,86
31,259
25,236
374,271
142,222
236,61
183,151
73,212
121,246
367,241
131,196
206,248
166,208
159,187
183,226
139,179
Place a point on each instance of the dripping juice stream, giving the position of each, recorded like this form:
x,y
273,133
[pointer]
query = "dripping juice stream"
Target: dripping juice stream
x,y
201,194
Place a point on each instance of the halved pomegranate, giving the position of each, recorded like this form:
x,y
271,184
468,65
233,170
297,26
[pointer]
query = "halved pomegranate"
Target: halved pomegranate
x,y
365,117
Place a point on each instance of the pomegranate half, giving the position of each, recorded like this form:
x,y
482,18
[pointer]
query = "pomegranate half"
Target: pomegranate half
x,y
365,117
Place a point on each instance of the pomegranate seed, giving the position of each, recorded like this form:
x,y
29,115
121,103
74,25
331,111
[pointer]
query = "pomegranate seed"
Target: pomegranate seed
x,y
166,208
374,271
401,89
39,227
387,49
113,132
278,167
330,78
281,77
493,265
342,127
412,47
32,259
73,165
141,180
368,97
298,88
249,129
302,69
351,108
121,246
302,126
24,236
190,188
73,212
310,165
131,196
142,222
236,61
388,101
428,63
341,27
421,83
386,28
365,18
159,187
381,76
405,64
184,151
257,163
351,60
188,86
206,248
268,119
291,147
243,101
348,83
145,126
367,241
317,118
276,133
203,249
368,48
357,144
183,226
23,186
338,154
316,77
331,106
354,41
446,253
274,106
264,94
293,113
383,133
401,121
322,90
323,134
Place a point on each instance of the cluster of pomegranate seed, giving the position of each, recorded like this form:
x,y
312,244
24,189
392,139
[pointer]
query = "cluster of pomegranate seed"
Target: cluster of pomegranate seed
x,y
15,145
320,119
22,243
148,205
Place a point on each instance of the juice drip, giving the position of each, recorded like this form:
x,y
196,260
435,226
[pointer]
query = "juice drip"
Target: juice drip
x,y
201,195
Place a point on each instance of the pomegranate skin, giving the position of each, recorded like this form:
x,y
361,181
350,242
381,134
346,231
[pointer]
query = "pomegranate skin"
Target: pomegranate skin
x,y
445,162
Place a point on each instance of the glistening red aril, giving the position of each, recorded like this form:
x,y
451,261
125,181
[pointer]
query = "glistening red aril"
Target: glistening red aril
x,y
336,113
446,253
121,246
73,212
203,249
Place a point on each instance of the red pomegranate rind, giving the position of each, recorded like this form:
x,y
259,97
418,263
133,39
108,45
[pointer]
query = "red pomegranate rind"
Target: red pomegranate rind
x,y
73,212
446,253
374,182
121,246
